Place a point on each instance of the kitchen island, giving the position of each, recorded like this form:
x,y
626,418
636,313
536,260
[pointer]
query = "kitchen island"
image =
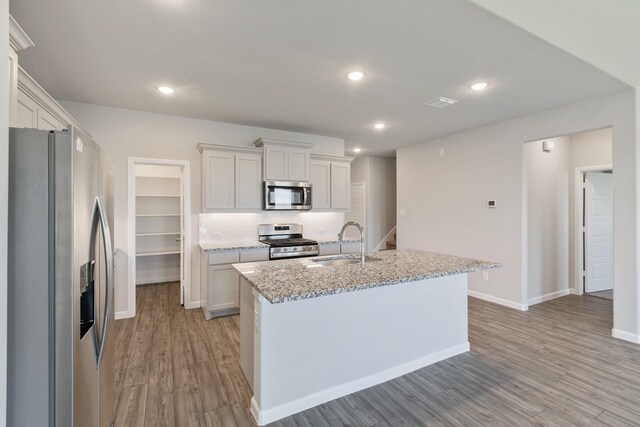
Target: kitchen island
x,y
315,329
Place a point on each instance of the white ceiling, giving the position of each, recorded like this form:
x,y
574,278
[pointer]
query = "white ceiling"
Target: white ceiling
x,y
282,63
605,34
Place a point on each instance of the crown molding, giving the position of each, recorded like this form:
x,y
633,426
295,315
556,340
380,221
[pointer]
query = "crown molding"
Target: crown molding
x,y
260,142
329,158
222,147
18,39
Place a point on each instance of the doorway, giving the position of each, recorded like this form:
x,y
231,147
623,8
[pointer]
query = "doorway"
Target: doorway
x,y
597,233
559,258
159,226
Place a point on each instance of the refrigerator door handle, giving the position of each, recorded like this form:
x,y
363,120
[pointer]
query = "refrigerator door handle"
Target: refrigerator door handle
x,y
99,217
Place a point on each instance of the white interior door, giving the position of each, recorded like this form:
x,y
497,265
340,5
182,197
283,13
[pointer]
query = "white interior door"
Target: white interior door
x,y
357,211
598,204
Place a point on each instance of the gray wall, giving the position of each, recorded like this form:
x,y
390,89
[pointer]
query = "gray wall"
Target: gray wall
x,y
547,179
444,197
379,176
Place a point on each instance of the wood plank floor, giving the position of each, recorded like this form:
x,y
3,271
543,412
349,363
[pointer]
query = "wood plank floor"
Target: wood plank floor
x,y
553,365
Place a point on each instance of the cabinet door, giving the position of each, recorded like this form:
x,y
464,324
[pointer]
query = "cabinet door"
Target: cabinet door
x,y
248,181
224,288
219,180
321,180
299,164
340,184
47,122
26,111
276,160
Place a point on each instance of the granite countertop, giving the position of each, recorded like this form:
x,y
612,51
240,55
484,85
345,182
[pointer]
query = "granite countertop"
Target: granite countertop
x,y
291,280
328,239
228,245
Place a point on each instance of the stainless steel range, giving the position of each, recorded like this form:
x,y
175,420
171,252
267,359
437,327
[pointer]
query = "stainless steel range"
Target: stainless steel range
x,y
286,241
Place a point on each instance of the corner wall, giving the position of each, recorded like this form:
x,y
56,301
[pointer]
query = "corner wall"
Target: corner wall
x,y
128,133
444,197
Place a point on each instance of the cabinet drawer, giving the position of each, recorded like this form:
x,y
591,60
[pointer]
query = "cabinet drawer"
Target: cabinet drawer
x,y
253,255
330,249
224,257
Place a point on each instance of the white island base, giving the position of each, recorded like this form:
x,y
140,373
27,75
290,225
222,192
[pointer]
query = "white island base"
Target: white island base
x,y
300,354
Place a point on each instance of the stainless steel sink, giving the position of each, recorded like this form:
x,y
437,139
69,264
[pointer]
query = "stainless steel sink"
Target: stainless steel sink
x,y
345,260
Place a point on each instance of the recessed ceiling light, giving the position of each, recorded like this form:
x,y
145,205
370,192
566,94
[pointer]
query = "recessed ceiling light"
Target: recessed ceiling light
x,y
357,150
166,90
379,126
355,75
479,86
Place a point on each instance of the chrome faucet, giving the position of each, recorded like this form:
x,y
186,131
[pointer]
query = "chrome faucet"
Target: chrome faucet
x,y
361,230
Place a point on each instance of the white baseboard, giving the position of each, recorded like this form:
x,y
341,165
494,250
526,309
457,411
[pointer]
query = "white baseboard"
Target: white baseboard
x,y
192,304
547,297
496,300
627,336
282,411
574,291
122,315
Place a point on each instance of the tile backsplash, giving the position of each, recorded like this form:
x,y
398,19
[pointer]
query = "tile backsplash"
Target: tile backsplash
x,y
244,226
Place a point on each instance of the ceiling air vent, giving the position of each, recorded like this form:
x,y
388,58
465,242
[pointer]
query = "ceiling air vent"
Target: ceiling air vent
x,y
440,102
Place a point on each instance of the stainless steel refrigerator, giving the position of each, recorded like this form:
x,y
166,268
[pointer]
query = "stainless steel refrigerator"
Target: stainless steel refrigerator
x,y
60,318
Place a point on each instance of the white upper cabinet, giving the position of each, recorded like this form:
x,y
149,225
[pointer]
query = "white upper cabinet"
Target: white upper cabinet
x,y
285,160
231,178
219,180
321,184
248,181
340,185
299,164
276,163
331,179
30,105
25,114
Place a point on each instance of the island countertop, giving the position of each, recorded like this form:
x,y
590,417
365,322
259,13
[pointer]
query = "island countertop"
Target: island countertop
x,y
302,278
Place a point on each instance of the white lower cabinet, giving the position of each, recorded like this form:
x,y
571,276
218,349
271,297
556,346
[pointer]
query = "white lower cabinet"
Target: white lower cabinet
x,y
223,290
220,283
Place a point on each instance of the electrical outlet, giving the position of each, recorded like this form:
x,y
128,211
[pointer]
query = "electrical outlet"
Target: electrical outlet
x,y
485,276
442,152
401,212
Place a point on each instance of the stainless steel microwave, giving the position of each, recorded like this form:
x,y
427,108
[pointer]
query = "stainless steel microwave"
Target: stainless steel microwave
x,y
287,195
